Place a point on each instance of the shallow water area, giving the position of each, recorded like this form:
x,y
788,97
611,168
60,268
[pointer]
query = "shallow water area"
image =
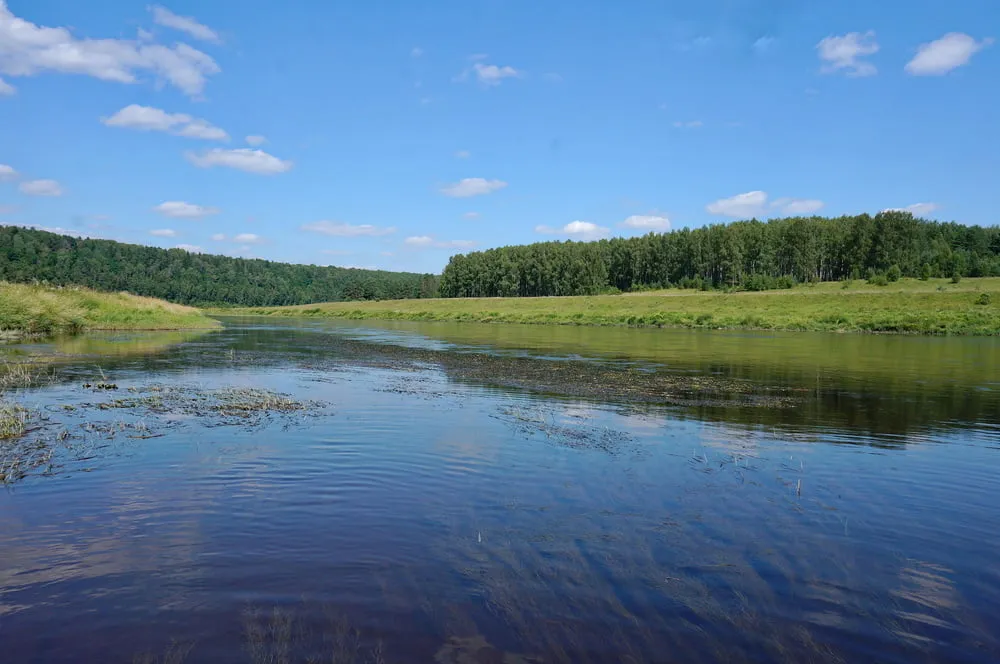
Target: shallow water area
x,y
277,491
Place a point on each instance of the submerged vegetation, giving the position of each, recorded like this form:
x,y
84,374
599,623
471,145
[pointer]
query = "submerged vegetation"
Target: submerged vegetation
x,y
746,255
44,310
28,255
32,441
935,306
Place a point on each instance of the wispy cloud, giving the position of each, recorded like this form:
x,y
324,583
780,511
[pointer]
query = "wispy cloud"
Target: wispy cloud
x,y
584,230
242,159
147,118
182,210
472,187
755,204
750,204
845,53
797,206
917,209
338,229
168,19
647,222
47,188
763,45
163,232
488,75
428,242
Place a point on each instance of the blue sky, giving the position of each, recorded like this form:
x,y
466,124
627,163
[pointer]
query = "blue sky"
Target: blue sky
x,y
393,134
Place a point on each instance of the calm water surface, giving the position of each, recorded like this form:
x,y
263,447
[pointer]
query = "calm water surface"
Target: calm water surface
x,y
478,493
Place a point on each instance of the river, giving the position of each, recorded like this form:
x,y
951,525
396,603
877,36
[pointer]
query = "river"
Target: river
x,y
282,490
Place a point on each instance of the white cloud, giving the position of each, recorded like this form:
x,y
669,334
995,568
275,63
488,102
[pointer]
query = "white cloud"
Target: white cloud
x,y
488,75
463,154
7,173
755,204
584,230
219,237
247,238
58,230
27,49
337,252
472,187
163,232
204,130
750,204
845,53
338,229
797,206
6,89
256,140
471,215
693,124
49,188
492,74
168,19
416,52
182,210
192,248
917,209
940,56
426,241
647,222
243,159
147,118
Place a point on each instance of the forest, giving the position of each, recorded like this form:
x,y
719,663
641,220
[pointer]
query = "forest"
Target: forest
x,y
34,256
743,255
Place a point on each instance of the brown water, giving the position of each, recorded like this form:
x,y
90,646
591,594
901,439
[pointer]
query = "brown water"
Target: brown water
x,y
478,493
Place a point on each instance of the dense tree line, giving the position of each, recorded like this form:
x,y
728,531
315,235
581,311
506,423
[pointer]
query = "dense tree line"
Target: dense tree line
x,y
28,255
751,255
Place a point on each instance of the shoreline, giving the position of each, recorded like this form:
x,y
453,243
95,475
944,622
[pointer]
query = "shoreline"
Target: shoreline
x,y
911,307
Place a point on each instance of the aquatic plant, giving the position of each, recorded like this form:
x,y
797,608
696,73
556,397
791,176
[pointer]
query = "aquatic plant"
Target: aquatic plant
x,y
13,420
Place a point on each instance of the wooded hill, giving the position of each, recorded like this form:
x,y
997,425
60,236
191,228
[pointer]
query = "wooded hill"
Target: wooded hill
x,y
28,255
748,255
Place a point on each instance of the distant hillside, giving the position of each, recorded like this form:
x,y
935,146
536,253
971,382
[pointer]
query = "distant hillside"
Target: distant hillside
x,y
28,255
743,255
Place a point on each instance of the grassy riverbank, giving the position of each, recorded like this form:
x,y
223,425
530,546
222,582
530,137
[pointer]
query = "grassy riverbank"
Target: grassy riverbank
x,y
44,310
937,306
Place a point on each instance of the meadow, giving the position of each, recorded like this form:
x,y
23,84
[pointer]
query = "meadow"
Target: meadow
x,y
935,306
44,310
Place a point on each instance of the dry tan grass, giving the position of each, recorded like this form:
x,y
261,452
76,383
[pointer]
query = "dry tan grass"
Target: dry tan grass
x,y
35,309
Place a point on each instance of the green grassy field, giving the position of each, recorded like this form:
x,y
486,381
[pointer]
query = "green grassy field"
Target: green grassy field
x,y
44,310
938,306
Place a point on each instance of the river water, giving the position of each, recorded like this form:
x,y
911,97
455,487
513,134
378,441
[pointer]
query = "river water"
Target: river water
x,y
496,493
